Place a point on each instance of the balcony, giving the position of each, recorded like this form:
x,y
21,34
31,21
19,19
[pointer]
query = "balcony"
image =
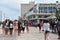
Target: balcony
x,y
32,13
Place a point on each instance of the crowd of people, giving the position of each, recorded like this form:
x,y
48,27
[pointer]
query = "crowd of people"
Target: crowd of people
x,y
47,26
8,26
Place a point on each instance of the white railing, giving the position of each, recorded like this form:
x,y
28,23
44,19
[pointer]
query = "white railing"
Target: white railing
x,y
31,13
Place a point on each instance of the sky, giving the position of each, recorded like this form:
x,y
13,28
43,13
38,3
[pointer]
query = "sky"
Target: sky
x,y
11,8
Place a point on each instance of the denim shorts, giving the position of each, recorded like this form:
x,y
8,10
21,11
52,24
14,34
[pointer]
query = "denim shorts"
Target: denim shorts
x,y
47,31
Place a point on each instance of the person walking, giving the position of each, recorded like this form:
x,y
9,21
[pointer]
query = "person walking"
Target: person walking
x,y
55,26
3,27
46,26
15,24
52,26
11,27
27,26
7,27
23,27
40,24
19,27
58,24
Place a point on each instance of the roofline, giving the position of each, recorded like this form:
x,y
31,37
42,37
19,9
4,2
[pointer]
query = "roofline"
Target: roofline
x,y
43,3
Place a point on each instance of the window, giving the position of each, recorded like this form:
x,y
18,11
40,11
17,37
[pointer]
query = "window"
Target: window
x,y
41,8
54,8
45,8
49,8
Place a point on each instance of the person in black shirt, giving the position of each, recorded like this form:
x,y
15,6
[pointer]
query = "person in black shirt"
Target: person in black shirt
x,y
58,24
11,27
27,26
19,28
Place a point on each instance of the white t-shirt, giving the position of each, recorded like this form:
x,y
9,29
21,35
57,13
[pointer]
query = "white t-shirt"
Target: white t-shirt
x,y
11,25
6,25
46,26
23,25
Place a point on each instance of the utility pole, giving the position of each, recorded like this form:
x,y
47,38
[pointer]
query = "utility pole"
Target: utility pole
x,y
4,16
1,16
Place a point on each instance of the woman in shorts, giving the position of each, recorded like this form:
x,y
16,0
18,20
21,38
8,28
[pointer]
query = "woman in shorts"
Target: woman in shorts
x,y
11,27
46,26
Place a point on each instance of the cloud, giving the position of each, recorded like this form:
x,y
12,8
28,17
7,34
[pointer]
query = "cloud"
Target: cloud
x,y
10,8
9,12
25,1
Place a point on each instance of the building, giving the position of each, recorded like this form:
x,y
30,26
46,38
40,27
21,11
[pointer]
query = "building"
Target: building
x,y
25,8
39,11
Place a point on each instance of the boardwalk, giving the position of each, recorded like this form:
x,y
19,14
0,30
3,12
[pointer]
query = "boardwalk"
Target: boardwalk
x,y
32,35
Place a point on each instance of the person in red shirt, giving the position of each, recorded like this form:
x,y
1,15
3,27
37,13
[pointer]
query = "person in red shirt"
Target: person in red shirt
x,y
40,24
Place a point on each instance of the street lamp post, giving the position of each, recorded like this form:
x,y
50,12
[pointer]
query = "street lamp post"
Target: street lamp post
x,y
4,16
1,16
